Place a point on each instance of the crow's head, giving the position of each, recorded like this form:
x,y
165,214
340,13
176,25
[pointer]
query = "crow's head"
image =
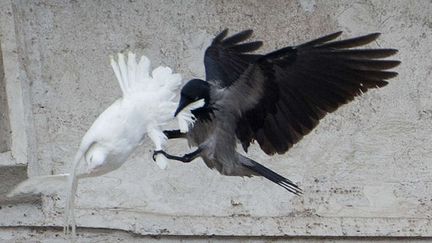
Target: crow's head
x,y
194,91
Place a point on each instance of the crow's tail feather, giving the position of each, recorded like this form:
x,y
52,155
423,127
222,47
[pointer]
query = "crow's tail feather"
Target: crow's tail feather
x,y
273,176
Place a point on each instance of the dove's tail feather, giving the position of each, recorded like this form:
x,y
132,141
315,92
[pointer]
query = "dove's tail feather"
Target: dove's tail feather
x,y
72,185
135,77
46,185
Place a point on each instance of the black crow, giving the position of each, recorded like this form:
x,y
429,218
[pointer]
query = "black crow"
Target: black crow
x,y
274,99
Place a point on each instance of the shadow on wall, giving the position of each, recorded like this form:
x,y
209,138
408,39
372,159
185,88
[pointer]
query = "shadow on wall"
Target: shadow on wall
x,y
4,119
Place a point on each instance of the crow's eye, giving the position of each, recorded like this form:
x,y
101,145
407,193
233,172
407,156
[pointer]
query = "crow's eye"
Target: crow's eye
x,y
187,97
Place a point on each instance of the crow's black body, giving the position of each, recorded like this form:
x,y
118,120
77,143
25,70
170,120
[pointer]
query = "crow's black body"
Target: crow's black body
x,y
274,99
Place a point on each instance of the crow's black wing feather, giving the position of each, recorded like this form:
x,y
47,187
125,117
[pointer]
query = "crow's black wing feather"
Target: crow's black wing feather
x,y
305,82
226,59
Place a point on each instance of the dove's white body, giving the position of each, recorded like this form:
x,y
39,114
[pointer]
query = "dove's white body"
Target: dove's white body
x,y
119,130
147,103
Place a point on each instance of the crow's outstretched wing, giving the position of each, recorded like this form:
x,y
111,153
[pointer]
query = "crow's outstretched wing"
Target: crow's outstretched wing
x,y
282,95
227,58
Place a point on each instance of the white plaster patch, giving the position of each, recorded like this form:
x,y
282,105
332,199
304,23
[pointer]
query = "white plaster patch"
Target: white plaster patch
x,y
308,5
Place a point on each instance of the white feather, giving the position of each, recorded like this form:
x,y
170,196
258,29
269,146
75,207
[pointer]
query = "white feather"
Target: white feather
x,y
116,69
123,70
159,139
143,69
185,117
131,65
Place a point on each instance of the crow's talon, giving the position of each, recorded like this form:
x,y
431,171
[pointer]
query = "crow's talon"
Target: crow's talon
x,y
156,152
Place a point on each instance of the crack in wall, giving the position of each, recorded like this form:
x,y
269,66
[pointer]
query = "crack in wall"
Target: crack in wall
x,y
4,117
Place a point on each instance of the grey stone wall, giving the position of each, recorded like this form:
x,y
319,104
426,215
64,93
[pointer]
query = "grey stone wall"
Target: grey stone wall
x,y
366,170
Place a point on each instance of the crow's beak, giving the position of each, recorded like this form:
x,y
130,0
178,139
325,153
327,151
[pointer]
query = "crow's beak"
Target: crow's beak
x,y
182,104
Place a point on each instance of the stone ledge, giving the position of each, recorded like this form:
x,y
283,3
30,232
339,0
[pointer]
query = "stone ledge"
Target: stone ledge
x,y
55,234
142,223
6,159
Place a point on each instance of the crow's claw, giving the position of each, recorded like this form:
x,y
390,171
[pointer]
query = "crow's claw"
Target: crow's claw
x,y
156,152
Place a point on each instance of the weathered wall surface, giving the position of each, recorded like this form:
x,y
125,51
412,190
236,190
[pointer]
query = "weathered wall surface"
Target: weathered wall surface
x,y
366,170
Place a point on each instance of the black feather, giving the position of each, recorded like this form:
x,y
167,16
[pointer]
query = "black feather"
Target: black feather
x,y
321,40
226,59
354,42
220,36
357,53
247,47
370,64
274,177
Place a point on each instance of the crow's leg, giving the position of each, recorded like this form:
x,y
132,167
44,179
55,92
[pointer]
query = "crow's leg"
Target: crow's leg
x,y
171,134
185,158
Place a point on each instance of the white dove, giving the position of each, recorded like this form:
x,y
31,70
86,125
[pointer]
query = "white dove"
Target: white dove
x,y
147,104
